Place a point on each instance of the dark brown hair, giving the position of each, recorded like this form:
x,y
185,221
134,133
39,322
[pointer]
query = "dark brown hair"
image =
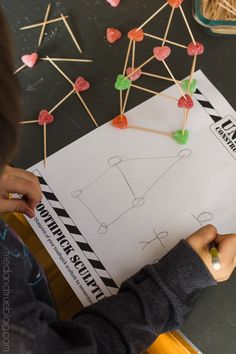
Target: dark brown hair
x,y
9,97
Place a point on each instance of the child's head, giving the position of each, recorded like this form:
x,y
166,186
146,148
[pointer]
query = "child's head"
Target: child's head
x,y
9,98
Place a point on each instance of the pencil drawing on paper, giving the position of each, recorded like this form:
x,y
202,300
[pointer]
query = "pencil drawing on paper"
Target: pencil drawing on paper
x,y
124,186
160,236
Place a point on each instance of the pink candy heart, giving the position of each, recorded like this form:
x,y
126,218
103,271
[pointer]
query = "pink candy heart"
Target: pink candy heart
x,y
134,76
161,53
185,102
81,84
113,35
114,3
45,117
195,49
30,59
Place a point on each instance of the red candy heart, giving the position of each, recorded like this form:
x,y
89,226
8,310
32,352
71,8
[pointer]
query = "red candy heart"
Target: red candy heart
x,y
185,102
113,3
113,35
45,117
134,76
30,59
175,3
195,49
161,53
81,84
136,35
120,122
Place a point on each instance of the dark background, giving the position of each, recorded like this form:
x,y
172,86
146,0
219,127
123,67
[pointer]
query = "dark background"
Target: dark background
x,y
212,324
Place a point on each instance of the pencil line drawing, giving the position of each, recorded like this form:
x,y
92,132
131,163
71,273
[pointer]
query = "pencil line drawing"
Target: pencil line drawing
x,y
203,218
158,236
124,186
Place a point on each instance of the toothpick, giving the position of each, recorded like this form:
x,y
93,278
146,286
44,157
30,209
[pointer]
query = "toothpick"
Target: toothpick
x,y
149,130
186,22
151,17
70,60
29,122
192,72
167,41
44,25
45,144
71,33
133,55
168,26
126,100
63,100
127,57
171,74
227,8
159,77
140,67
19,69
186,112
60,71
154,92
231,6
40,24
87,109
121,102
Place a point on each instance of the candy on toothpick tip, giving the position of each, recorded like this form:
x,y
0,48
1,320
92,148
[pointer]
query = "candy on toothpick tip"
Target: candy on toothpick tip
x,y
195,48
136,35
185,102
192,88
175,3
161,53
81,84
181,137
45,117
113,3
122,83
30,59
136,75
120,122
113,35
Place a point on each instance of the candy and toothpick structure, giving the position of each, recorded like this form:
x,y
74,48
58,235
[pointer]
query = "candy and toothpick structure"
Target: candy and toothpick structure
x,y
125,80
45,117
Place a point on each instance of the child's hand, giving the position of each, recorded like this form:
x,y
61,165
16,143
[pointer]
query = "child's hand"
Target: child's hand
x,y
14,180
226,245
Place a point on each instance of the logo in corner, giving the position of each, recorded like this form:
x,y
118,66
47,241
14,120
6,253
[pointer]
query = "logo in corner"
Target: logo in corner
x,y
225,131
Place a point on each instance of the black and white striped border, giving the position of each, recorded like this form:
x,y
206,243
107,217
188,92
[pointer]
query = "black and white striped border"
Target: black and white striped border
x,y
76,235
204,102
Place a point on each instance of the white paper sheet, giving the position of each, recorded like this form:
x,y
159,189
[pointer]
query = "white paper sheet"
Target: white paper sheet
x,y
116,200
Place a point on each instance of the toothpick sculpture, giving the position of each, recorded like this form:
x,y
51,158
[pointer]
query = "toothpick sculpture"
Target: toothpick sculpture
x,y
125,80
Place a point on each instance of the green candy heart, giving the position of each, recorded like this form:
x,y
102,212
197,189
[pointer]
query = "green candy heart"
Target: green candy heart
x,y
180,137
192,88
122,83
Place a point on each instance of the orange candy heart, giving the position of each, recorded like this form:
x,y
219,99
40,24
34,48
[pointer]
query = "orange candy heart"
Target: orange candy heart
x,y
175,3
120,122
136,35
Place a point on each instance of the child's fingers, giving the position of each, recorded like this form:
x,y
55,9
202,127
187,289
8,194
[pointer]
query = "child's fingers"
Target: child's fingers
x,y
227,247
203,237
16,205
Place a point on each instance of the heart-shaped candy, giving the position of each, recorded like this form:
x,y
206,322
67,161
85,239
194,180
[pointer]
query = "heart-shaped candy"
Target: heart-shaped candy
x,y
136,35
175,3
120,121
81,84
181,136
113,35
30,59
136,74
45,117
192,87
185,102
113,3
122,83
161,53
195,49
